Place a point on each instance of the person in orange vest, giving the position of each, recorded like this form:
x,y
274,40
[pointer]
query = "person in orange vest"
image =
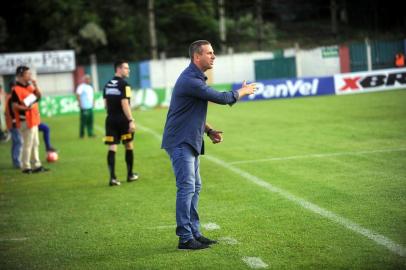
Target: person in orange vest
x,y
25,97
399,60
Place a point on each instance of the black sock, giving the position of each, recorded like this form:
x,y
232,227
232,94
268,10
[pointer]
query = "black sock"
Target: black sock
x,y
111,160
129,159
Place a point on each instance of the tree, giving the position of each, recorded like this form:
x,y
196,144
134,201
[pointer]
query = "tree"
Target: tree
x,y
243,33
182,22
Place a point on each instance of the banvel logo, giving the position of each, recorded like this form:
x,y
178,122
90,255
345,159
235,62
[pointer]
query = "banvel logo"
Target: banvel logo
x,y
287,89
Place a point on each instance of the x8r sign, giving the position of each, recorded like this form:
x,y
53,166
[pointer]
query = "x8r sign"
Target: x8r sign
x,y
378,80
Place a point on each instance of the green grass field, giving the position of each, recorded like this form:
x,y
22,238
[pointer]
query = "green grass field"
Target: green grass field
x,y
344,154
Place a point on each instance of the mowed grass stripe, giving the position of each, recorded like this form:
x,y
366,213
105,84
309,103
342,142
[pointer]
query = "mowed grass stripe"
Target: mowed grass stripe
x,y
320,155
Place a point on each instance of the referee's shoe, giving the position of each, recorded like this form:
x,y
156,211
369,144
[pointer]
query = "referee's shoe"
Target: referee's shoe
x,y
114,182
132,177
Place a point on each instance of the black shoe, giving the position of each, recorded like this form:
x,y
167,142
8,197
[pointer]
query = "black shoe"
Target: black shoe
x,y
192,245
40,169
27,171
132,177
51,149
206,241
114,182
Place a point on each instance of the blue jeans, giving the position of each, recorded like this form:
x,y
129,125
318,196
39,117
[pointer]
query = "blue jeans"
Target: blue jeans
x,y
16,144
185,164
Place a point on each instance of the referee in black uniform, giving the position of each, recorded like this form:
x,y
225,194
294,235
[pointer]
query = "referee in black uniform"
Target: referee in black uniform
x,y
120,124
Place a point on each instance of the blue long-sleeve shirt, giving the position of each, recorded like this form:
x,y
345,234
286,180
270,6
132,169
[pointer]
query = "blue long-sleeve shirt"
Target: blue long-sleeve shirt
x,y
186,117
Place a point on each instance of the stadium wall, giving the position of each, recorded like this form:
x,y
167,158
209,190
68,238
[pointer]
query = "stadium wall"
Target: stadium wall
x,y
322,61
233,68
317,70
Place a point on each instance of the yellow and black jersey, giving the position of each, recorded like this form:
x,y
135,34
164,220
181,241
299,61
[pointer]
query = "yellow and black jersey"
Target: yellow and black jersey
x,y
114,91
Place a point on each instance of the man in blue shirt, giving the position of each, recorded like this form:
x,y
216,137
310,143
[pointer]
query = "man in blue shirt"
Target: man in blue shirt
x,y
183,138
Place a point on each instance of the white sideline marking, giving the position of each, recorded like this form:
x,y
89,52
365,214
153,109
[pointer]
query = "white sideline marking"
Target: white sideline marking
x,y
211,226
254,262
152,132
380,239
319,155
228,240
14,239
99,128
377,238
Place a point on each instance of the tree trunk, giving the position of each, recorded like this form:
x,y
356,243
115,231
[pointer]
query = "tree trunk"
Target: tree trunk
x,y
333,10
152,31
222,25
260,34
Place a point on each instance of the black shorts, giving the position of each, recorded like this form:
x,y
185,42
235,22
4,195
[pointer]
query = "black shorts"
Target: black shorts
x,y
117,130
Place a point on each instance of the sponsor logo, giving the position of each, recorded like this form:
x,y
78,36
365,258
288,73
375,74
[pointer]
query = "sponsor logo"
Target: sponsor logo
x,y
49,106
112,91
112,83
57,105
351,83
42,62
289,88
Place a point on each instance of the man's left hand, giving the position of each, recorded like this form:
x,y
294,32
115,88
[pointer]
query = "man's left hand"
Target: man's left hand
x,y
131,127
216,136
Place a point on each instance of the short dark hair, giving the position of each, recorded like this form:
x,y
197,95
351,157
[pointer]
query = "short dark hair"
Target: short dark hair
x,y
21,69
196,47
118,64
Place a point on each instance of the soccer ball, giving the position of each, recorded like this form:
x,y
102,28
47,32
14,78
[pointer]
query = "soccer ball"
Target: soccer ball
x,y
52,156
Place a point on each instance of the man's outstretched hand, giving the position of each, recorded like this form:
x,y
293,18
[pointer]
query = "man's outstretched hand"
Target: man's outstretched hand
x,y
247,89
216,136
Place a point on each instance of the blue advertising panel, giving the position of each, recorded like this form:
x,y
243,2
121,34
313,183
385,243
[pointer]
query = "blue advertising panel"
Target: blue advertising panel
x,y
145,75
289,88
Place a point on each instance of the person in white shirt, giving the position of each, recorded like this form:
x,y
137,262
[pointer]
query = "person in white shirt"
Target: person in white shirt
x,y
85,96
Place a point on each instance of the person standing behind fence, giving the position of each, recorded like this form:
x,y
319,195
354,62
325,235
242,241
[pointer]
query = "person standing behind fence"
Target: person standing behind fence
x,y
25,97
85,96
399,60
